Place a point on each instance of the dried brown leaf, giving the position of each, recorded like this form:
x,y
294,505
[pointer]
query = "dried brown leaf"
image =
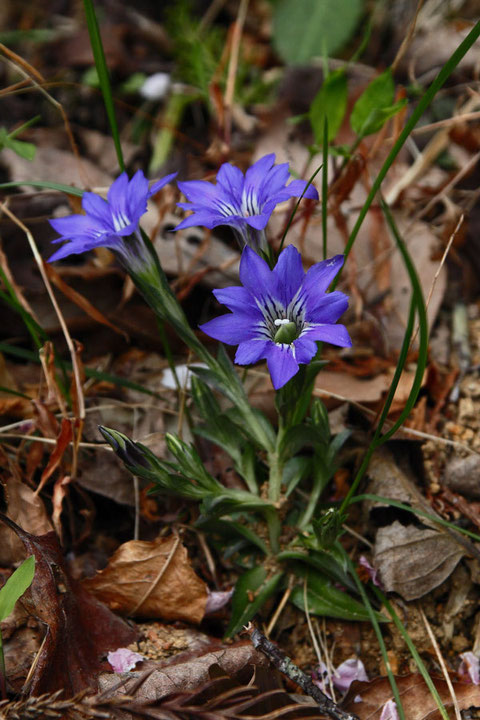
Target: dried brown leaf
x,y
27,510
415,555
151,580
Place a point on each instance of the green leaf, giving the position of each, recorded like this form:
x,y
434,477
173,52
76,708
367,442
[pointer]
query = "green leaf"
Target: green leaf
x,y
251,591
313,28
15,586
233,501
225,528
375,105
325,599
295,469
329,563
22,149
44,185
330,103
103,76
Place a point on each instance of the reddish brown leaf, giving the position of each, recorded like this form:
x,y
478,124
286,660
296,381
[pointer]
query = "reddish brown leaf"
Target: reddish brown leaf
x,y
63,441
418,703
79,629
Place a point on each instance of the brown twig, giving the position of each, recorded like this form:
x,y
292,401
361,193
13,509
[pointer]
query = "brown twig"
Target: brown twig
x,y
290,670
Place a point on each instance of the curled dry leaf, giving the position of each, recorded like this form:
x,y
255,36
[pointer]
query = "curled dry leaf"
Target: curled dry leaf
x,y
418,703
151,580
413,555
191,673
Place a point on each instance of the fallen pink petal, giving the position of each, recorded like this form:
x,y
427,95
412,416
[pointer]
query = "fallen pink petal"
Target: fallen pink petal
x,y
469,670
124,660
348,671
389,711
372,572
217,600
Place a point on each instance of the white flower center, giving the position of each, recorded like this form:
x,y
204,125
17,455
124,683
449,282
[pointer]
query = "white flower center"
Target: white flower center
x,y
120,221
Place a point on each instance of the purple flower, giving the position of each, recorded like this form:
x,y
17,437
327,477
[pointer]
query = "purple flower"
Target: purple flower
x,y
279,314
109,223
245,202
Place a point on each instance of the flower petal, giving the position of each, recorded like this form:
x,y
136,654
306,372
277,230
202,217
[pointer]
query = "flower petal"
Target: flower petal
x,y
255,174
296,188
251,351
159,184
305,349
199,192
320,275
238,298
281,364
289,272
231,180
230,329
334,334
256,276
327,308
97,207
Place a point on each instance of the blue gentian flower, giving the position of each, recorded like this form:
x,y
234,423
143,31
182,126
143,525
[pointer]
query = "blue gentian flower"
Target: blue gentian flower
x,y
111,223
280,314
245,202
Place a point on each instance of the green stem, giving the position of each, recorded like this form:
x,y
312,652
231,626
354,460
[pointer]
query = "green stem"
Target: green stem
x,y
319,481
275,464
274,530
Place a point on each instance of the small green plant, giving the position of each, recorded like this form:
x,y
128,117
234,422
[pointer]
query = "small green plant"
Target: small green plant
x,y
12,591
9,140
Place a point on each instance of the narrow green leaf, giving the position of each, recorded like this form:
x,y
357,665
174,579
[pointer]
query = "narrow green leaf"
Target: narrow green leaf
x,y
329,105
325,599
25,354
225,528
414,652
251,591
378,632
103,76
417,511
44,185
15,586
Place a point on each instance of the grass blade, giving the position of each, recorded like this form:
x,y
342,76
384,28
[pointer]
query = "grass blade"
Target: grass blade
x,y
417,306
414,652
378,633
325,187
44,185
103,76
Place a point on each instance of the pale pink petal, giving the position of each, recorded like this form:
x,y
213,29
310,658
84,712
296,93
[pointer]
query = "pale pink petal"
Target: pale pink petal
x,y
350,670
389,711
123,659
216,600
372,572
469,670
